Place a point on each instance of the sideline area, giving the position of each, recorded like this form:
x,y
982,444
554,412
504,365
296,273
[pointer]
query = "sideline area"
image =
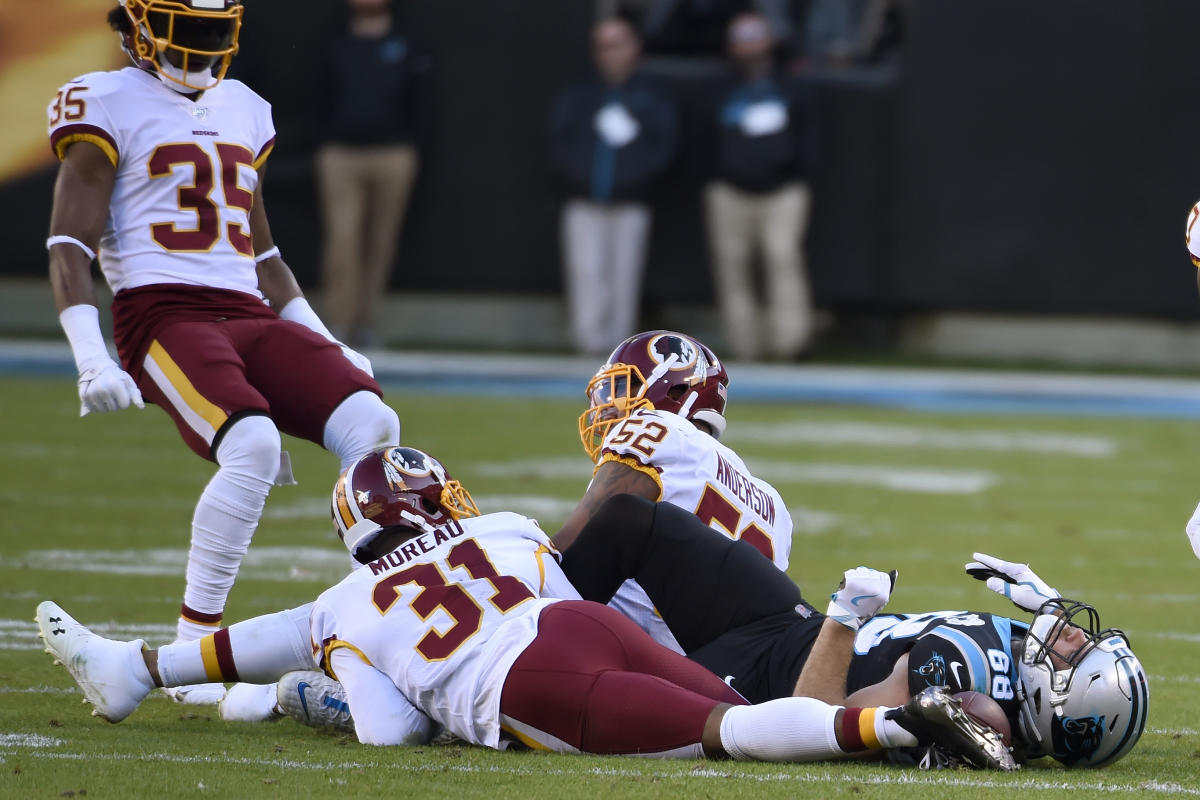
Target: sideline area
x,y
974,390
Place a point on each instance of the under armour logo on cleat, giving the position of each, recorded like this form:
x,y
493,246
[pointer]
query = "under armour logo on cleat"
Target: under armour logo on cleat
x,y
56,621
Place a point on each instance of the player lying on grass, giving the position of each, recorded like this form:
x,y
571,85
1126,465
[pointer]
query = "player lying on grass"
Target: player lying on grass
x,y
468,622
1070,689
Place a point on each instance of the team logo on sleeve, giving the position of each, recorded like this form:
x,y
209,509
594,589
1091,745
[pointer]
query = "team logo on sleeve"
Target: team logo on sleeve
x,y
933,671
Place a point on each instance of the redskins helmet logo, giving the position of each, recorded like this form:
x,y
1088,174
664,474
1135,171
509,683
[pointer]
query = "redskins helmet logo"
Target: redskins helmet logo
x,y
663,347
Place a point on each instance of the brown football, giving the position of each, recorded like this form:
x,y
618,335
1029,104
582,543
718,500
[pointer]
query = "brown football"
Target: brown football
x,y
986,710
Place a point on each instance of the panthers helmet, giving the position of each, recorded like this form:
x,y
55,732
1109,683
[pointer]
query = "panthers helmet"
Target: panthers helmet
x,y
395,487
1089,709
661,370
188,43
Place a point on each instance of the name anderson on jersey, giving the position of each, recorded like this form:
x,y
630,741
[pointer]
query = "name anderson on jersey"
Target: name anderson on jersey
x,y
745,490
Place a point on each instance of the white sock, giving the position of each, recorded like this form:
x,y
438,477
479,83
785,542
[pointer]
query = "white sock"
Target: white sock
x,y
258,650
361,423
227,515
787,729
891,734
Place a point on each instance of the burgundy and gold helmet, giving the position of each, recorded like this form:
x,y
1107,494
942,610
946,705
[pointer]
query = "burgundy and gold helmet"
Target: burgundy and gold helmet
x,y
188,43
396,487
662,370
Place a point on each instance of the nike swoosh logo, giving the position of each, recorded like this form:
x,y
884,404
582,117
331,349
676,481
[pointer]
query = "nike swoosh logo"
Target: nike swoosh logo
x,y
954,667
300,687
854,600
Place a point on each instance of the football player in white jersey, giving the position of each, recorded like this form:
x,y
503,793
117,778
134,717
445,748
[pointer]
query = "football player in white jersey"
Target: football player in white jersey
x,y
162,179
654,420
467,622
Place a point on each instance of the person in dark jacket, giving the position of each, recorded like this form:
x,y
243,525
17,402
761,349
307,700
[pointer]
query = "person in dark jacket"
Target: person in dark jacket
x,y
367,163
612,135
759,201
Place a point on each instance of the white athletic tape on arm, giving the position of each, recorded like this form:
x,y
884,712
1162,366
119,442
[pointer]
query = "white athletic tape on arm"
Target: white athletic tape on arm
x,y
63,239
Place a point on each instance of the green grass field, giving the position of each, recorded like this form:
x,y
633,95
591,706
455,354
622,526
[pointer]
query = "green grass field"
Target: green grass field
x,y
94,513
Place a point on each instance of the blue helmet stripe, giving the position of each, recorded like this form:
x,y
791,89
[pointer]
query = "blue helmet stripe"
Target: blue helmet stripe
x,y
1137,712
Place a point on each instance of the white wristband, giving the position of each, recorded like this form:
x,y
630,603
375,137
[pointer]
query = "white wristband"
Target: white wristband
x,y
81,323
298,310
265,254
63,239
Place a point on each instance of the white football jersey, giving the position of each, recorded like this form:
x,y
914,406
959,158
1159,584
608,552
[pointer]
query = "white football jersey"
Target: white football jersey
x,y
446,614
186,175
696,472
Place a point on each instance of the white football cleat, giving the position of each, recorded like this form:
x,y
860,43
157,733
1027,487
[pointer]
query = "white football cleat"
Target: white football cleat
x,y
112,675
198,694
314,699
249,702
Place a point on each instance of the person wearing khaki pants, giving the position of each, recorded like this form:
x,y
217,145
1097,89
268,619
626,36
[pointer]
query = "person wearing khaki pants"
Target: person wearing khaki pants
x,y
364,197
773,224
758,201
370,108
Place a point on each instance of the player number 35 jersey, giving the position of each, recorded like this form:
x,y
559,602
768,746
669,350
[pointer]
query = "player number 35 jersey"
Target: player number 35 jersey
x,y
186,175
696,472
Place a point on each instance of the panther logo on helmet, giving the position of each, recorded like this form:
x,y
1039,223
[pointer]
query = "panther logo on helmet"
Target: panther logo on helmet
x,y
661,370
395,487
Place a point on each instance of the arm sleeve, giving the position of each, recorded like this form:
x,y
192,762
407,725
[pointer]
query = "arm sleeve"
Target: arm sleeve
x,y
936,660
77,114
382,714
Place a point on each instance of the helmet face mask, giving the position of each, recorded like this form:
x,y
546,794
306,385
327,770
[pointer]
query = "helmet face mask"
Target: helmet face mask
x,y
660,370
1083,693
395,487
188,43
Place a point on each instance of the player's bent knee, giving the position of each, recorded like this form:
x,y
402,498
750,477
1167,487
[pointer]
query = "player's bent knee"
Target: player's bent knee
x,y
361,423
251,445
627,512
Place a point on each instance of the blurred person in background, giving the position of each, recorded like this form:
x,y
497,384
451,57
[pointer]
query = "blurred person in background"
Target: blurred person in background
x,y
162,178
612,135
697,27
366,167
759,200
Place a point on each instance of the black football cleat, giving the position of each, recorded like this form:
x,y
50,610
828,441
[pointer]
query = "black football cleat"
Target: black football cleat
x,y
935,717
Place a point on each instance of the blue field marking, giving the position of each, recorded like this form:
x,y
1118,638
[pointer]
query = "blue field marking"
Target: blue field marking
x,y
949,391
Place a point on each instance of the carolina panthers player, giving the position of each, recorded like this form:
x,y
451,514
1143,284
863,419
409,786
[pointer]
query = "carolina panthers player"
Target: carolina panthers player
x,y
162,178
655,415
468,622
1071,690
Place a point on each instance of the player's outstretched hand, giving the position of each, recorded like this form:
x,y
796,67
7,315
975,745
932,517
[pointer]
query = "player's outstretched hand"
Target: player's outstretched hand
x,y
860,596
357,359
1015,581
1193,531
104,386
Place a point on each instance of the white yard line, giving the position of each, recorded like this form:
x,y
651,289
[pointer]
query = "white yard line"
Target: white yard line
x,y
901,778
881,435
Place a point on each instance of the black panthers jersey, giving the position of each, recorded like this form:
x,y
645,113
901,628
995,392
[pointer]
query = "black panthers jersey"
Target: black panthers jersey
x,y
967,651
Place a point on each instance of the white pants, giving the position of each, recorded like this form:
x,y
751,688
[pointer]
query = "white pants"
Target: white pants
x,y
739,223
604,252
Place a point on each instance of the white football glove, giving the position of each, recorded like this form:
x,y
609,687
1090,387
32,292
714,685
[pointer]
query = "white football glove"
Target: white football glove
x,y
356,358
861,594
104,386
1193,531
1015,581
